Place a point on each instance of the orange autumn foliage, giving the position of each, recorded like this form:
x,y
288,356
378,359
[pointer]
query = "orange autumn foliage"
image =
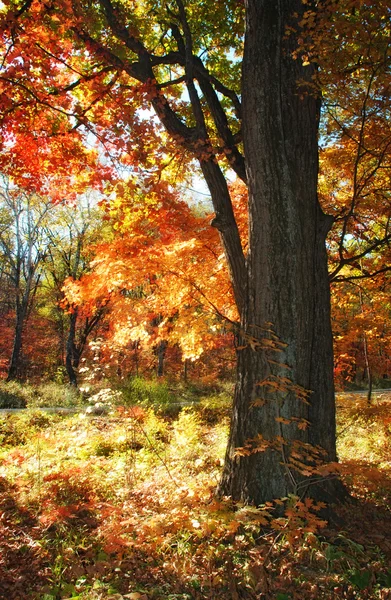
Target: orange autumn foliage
x,y
163,272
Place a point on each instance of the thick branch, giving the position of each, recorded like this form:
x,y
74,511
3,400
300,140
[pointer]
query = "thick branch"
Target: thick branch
x,y
177,58
226,225
234,157
120,31
194,67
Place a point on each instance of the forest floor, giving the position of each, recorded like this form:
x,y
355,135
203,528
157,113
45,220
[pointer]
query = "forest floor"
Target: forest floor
x,y
122,506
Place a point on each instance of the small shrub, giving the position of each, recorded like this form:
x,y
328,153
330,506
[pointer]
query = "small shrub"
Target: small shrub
x,y
103,401
151,392
215,408
155,428
19,429
13,431
153,435
60,375
103,446
186,436
38,419
69,486
14,395
53,394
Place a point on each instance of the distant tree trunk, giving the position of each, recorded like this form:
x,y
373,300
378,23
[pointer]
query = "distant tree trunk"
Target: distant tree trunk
x,y
161,355
186,370
75,348
21,309
287,277
72,357
14,366
367,370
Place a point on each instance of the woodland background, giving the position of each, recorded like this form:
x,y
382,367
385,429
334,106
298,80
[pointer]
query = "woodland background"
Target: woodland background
x,y
94,293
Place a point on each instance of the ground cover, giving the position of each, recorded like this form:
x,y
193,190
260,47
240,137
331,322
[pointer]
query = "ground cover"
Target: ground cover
x,y
122,505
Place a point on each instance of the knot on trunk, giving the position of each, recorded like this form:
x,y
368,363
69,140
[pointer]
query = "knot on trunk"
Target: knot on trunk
x,y
325,224
220,223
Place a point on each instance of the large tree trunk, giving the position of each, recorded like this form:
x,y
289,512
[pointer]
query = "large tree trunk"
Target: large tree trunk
x,y
287,277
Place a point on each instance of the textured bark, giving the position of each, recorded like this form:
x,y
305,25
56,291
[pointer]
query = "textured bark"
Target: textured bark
x,y
287,279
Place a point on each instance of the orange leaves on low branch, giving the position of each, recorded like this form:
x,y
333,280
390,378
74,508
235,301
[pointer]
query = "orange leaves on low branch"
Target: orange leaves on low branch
x,y
304,458
301,422
285,385
254,445
300,518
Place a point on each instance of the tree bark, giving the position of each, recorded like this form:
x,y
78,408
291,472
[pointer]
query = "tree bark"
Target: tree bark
x,y
287,278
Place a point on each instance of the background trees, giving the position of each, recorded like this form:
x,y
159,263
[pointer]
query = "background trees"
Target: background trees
x,y
23,247
354,184
70,252
43,244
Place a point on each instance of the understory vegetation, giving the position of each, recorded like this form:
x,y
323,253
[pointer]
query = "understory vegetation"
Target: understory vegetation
x,y
117,500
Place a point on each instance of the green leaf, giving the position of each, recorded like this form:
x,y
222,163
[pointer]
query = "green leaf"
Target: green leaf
x,y
385,579
360,579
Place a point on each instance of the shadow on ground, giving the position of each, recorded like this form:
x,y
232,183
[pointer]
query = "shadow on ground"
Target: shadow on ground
x,y
23,568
